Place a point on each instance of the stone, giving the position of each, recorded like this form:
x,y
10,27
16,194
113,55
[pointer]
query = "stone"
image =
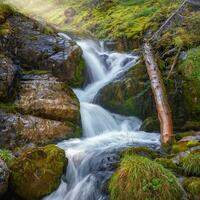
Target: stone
x,y
37,172
44,96
43,50
4,176
18,130
8,78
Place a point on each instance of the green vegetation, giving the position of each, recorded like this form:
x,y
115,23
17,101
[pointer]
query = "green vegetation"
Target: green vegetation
x,y
192,187
8,107
104,19
139,178
191,164
6,155
5,11
37,171
141,151
167,163
35,72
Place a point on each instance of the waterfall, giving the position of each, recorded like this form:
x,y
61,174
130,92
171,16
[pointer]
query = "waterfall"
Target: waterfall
x,y
92,158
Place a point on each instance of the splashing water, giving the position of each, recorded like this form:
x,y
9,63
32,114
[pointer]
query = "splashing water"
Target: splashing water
x,y
92,159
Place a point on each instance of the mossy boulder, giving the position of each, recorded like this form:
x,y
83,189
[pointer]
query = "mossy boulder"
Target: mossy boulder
x,y
139,178
37,172
5,12
192,187
140,151
190,164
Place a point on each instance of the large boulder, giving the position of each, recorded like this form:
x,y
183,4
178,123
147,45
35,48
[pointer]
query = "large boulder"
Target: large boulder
x,y
37,46
18,130
37,172
8,78
4,176
44,96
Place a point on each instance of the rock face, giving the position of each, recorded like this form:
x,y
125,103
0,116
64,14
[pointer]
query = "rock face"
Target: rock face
x,y
4,175
34,47
8,77
37,172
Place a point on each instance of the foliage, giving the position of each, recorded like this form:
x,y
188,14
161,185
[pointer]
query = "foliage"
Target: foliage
x,y
139,178
191,164
35,72
192,186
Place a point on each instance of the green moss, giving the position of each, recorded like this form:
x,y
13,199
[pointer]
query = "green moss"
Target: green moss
x,y
8,107
141,151
35,72
5,11
167,163
181,135
193,143
37,171
179,147
192,187
139,178
191,164
79,78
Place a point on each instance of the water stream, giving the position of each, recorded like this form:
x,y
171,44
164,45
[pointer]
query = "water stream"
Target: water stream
x,y
92,158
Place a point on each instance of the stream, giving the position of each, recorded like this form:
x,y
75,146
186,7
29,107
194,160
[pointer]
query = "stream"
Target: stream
x,y
92,158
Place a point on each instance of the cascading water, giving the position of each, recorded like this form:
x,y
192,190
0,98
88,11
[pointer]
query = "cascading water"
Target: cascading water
x,y
92,158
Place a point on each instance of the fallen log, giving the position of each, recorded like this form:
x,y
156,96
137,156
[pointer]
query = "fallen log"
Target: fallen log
x,y
160,96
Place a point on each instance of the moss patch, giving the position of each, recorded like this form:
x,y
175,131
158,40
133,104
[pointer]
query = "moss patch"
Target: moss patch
x,y
192,187
167,163
139,178
37,171
8,107
141,151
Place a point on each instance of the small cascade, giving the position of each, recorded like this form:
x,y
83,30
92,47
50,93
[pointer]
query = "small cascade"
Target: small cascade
x,y
92,158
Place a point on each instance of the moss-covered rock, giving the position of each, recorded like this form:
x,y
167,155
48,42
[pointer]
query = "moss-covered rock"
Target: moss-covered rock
x,y
191,164
139,178
141,151
37,172
192,187
167,163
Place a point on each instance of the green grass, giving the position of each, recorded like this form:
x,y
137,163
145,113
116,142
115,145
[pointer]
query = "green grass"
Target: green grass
x,y
191,164
6,155
139,178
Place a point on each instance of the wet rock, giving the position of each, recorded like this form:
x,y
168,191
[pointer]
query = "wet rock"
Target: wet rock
x,y
8,78
45,97
4,176
190,138
18,130
37,172
37,48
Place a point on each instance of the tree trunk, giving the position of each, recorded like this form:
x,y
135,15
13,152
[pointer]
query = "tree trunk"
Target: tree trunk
x,y
160,96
